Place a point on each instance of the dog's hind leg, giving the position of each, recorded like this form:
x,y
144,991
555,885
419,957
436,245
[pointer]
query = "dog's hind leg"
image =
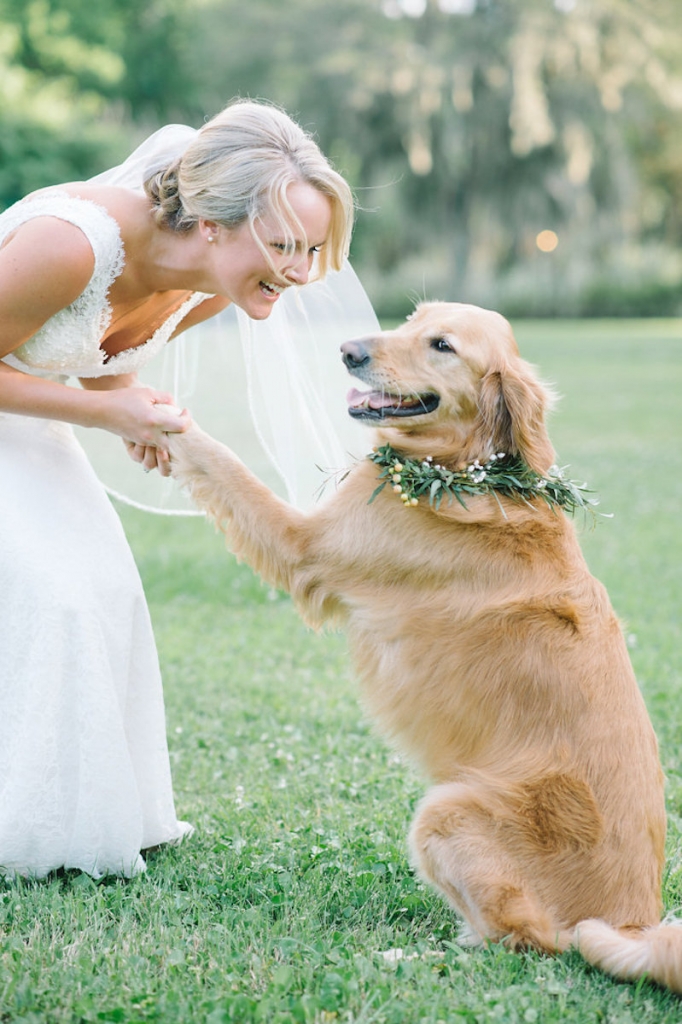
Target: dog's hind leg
x,y
456,845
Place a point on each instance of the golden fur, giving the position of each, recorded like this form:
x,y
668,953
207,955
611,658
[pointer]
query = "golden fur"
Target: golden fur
x,y
486,652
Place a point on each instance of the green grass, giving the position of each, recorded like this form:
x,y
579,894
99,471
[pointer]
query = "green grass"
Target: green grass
x,y
296,882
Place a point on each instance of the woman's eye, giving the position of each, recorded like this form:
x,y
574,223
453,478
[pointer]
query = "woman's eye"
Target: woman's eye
x,y
441,345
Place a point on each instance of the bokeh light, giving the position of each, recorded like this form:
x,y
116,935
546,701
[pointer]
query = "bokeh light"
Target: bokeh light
x,y
547,241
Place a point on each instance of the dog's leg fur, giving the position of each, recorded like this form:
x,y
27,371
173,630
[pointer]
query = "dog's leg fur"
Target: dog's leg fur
x,y
456,845
271,541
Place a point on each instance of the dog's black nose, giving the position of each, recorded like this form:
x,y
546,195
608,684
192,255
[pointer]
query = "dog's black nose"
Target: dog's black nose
x,y
354,354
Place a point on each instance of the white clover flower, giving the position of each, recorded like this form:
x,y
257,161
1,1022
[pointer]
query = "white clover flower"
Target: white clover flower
x,y
397,488
396,478
391,956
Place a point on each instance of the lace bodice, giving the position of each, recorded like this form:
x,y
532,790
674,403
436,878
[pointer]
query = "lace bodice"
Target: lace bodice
x,y
68,344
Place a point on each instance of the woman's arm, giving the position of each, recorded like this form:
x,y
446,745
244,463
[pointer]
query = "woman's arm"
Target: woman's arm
x,y
44,267
141,415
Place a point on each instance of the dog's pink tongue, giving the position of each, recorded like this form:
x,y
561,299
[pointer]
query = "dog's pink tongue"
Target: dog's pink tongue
x,y
355,397
371,399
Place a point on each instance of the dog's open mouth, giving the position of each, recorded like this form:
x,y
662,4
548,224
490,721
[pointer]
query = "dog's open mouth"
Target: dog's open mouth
x,y
380,405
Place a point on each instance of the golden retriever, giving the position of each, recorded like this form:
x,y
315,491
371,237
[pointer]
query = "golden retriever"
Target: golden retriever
x,y
486,651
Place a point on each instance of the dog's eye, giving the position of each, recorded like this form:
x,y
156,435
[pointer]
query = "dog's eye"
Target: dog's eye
x,y
441,345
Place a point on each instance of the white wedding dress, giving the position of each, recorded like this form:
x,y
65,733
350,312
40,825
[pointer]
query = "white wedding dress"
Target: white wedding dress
x,y
84,769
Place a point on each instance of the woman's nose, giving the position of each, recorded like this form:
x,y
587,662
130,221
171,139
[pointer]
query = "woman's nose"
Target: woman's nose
x,y
299,271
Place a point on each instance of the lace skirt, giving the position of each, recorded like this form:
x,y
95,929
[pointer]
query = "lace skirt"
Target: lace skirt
x,y
84,771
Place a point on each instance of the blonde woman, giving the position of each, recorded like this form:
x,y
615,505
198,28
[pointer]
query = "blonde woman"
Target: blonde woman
x,y
95,278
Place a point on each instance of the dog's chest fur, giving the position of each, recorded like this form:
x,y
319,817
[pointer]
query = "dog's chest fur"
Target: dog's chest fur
x,y
424,606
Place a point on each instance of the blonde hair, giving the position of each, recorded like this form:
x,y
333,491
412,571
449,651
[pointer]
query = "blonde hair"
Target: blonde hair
x,y
238,169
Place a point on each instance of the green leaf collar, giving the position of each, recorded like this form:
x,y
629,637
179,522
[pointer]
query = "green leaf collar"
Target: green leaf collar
x,y
412,479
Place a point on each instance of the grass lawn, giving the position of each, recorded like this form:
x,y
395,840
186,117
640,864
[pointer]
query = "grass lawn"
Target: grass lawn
x,y
294,900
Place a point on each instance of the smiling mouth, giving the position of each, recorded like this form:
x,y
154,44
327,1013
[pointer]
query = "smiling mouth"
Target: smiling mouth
x,y
271,290
380,405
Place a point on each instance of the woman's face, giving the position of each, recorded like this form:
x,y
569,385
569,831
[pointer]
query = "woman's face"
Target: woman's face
x,y
240,270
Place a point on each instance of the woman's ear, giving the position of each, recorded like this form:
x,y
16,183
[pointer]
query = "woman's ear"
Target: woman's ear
x,y
209,229
511,417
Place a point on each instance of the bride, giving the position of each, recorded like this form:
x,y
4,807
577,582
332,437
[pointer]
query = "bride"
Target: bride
x,y
95,278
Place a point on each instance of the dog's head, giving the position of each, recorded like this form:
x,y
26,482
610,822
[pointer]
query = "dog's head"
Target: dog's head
x,y
450,383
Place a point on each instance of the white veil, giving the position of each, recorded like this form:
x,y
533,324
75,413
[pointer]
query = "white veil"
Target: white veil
x,y
272,389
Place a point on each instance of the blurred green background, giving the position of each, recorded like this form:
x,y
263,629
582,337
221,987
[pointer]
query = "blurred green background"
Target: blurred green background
x,y
522,154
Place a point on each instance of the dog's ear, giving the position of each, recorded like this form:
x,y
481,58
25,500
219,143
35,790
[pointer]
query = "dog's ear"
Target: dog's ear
x,y
511,417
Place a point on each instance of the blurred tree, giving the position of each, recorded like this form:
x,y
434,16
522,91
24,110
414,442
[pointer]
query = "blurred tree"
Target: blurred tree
x,y
161,39
466,127
518,116
469,126
50,85
73,74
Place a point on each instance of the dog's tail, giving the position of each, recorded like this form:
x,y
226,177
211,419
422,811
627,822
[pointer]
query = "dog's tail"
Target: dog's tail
x,y
655,953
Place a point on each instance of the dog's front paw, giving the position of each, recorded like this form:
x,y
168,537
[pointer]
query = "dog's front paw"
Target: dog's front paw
x,y
186,449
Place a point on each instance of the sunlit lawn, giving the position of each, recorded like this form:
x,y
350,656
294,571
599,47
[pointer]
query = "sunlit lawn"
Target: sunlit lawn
x,y
290,901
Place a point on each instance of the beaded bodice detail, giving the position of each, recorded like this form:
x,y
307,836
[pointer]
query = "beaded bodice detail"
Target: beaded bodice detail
x,y
69,343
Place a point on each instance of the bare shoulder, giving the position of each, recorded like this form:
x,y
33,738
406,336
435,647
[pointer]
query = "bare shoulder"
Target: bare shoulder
x,y
128,208
130,211
48,242
44,266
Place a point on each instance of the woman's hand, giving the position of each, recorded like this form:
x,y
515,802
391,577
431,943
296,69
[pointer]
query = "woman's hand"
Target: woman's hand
x,y
143,417
149,457
159,418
